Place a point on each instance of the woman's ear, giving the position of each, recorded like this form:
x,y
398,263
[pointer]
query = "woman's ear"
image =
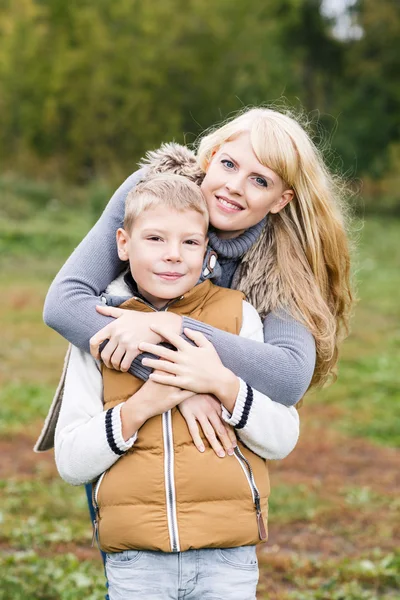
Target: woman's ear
x,y
286,197
122,244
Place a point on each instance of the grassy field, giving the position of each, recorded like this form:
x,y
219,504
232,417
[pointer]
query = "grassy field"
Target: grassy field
x,y
334,518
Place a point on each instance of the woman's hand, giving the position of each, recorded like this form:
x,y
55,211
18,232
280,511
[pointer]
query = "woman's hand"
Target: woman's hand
x,y
197,368
205,410
126,332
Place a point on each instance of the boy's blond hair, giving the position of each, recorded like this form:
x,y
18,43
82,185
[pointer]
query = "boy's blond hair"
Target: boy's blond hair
x,y
172,191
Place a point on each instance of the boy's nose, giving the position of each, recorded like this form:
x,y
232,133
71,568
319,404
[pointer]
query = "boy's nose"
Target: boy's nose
x,y
173,254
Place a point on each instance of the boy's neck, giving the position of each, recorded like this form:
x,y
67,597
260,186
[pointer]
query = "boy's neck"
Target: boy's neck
x,y
157,303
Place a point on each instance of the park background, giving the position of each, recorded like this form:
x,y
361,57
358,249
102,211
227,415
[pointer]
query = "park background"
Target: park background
x,y
86,87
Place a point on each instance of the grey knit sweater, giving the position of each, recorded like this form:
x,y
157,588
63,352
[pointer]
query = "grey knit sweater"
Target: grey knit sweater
x,y
281,368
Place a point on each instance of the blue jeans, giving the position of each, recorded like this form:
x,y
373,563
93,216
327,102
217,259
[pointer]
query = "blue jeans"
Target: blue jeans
x,y
88,490
208,574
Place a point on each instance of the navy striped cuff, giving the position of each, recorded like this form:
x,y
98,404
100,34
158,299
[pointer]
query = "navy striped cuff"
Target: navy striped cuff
x,y
110,434
246,408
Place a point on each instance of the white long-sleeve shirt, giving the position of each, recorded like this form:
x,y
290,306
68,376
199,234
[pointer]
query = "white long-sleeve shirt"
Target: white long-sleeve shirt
x,y
83,450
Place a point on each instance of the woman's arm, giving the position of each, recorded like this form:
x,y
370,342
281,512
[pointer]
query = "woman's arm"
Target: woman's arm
x,y
270,429
71,300
281,367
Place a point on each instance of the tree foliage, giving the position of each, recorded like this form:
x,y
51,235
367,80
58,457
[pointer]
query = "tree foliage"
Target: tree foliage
x,y
87,87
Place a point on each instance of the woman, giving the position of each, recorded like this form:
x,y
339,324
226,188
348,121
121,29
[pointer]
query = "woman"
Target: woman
x,y
279,233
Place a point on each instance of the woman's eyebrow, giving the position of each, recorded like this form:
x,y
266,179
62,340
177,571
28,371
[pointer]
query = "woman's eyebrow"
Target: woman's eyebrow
x,y
271,181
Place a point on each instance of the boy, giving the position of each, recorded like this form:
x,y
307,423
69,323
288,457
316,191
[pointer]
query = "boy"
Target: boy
x,y
166,514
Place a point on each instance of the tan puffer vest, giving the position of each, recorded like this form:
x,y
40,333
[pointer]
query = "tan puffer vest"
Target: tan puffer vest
x,y
164,494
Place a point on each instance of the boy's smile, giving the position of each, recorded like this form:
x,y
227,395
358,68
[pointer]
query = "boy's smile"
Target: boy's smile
x,y
165,249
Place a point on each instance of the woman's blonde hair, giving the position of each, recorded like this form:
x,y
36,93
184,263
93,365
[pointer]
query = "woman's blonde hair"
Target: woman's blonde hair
x,y
301,262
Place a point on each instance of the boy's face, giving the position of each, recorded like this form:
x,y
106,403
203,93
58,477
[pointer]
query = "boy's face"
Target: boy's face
x,y
165,249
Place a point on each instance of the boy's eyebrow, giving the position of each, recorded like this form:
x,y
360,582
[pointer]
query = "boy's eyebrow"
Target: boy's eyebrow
x,y
157,230
263,175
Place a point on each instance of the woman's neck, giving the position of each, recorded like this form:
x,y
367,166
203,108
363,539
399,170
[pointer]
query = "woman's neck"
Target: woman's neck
x,y
237,244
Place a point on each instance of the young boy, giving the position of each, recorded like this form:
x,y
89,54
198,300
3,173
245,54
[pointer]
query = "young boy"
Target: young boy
x,y
174,522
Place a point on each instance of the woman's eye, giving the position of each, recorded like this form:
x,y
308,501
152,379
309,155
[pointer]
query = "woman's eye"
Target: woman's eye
x,y
261,181
227,163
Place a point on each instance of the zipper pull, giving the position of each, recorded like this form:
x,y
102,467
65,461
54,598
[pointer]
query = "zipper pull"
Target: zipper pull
x,y
262,532
261,526
95,536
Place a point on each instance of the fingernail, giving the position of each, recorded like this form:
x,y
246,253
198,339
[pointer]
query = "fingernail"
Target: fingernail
x,y
230,451
201,448
221,454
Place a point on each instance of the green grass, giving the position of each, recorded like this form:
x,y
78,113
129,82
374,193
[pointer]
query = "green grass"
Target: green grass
x,y
29,575
368,386
45,532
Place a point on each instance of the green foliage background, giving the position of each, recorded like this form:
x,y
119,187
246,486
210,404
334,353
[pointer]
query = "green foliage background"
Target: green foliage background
x,y
86,87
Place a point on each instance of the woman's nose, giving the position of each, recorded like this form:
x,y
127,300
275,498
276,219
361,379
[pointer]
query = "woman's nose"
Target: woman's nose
x,y
235,185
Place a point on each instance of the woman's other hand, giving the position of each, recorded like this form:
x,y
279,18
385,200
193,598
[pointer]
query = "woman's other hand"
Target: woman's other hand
x,y
205,410
127,331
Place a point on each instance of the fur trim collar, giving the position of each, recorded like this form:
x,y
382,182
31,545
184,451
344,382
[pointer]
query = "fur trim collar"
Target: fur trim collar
x,y
172,158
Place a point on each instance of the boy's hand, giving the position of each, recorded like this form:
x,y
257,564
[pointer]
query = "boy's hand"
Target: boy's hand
x,y
126,332
205,410
152,399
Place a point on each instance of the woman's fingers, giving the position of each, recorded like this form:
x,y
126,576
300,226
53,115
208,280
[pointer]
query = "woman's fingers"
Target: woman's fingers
x,y
117,357
158,350
172,338
161,365
165,379
107,352
127,360
99,337
110,311
197,337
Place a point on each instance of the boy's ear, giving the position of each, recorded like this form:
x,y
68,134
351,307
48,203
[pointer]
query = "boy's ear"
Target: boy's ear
x,y
122,244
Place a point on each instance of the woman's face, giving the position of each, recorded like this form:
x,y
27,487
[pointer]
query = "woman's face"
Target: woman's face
x,y
239,190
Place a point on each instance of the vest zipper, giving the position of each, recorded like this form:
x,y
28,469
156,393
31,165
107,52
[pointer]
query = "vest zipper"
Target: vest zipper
x,y
248,471
95,493
169,480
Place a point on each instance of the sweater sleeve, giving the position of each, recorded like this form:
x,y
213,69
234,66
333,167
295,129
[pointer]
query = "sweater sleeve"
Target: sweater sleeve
x,y
71,300
281,367
268,428
88,440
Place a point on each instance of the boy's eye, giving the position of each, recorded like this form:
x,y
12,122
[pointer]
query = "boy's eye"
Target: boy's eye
x,y
227,163
154,238
192,242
